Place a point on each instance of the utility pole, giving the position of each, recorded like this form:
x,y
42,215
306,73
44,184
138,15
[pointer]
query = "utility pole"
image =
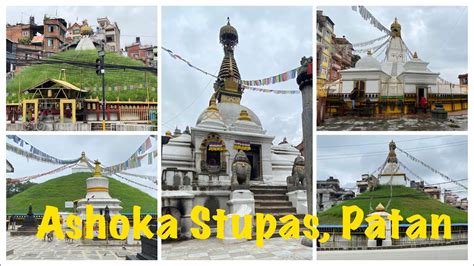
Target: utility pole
x,y
99,65
305,83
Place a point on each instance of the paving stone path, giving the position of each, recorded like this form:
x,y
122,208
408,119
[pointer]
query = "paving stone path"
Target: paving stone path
x,y
216,249
32,248
453,123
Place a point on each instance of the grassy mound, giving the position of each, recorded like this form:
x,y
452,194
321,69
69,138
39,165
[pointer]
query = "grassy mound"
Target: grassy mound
x,y
85,77
409,201
73,187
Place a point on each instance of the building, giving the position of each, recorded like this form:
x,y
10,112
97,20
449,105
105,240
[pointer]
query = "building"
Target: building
x,y
110,33
34,41
394,85
54,33
23,32
198,164
433,191
11,58
73,33
144,53
330,193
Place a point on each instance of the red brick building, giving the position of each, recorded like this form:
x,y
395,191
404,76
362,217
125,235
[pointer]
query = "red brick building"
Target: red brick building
x,y
140,52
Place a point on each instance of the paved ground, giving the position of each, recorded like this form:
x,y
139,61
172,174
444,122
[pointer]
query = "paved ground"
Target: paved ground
x,y
455,122
430,253
216,249
32,248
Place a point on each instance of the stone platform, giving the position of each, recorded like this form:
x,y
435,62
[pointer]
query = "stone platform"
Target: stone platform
x,y
32,248
216,249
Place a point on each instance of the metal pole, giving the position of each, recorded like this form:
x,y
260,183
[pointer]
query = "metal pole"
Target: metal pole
x,y
102,60
305,83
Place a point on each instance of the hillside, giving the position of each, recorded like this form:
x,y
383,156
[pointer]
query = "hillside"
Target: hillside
x,y
72,187
85,77
409,201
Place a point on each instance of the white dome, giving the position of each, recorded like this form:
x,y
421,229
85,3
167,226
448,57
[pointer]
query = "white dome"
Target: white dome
x,y
229,113
368,62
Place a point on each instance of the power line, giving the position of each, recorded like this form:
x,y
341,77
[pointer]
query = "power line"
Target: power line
x,y
355,155
379,143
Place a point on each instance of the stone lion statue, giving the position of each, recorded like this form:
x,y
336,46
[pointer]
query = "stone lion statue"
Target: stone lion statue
x,y
297,178
241,170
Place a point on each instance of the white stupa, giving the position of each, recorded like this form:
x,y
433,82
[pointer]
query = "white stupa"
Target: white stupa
x,y
98,195
85,43
82,166
391,174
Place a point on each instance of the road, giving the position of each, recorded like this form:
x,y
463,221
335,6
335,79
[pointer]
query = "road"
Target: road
x,y
458,252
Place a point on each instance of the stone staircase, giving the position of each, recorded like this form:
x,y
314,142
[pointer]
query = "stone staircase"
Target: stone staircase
x,y
273,200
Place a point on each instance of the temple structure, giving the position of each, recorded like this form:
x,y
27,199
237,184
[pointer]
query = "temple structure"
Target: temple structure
x,y
198,164
98,196
394,85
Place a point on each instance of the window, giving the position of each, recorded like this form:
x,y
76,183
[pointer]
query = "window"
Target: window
x,y
50,42
51,28
109,39
25,33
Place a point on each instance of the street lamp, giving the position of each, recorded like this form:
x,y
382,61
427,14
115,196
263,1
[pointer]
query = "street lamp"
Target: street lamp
x,y
99,64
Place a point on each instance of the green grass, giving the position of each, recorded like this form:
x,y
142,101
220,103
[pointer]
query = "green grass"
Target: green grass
x,y
73,187
85,77
409,201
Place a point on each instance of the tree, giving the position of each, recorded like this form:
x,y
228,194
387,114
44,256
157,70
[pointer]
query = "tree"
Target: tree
x,y
354,60
15,188
24,40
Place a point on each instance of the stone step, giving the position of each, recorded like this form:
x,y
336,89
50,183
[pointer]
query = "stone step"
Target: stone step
x,y
269,191
273,209
264,203
278,215
267,197
268,187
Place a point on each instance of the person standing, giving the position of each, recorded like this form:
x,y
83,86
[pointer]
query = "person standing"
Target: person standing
x,y
353,97
13,221
423,103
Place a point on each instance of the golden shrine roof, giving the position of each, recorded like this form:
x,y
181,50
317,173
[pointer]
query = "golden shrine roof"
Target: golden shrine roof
x,y
52,82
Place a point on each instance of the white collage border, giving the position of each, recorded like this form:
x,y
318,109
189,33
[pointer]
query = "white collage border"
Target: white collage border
x,y
158,4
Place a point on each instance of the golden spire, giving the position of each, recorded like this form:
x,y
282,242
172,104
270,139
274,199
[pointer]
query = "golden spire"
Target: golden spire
x,y
212,104
244,116
396,29
226,86
415,56
168,134
392,156
380,208
97,169
83,156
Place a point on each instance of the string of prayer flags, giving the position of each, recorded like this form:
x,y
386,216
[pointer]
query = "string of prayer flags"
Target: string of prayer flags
x,y
176,56
28,178
248,84
272,90
38,155
272,80
370,41
366,15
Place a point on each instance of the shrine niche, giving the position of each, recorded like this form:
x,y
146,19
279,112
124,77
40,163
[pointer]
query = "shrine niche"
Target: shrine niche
x,y
213,155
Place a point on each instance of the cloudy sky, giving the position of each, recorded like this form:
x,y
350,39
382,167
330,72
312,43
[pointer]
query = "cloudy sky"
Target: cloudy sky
x,y
109,150
132,20
348,157
437,34
272,40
